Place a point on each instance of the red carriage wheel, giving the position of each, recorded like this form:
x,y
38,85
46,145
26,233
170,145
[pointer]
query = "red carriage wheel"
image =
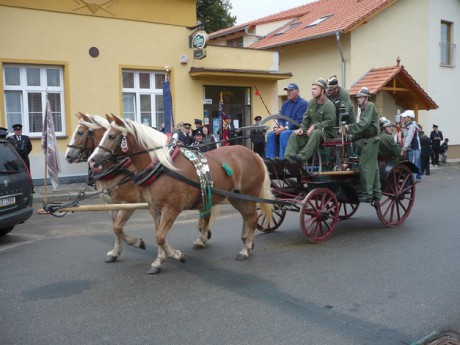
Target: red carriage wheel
x,y
346,210
319,214
278,215
398,196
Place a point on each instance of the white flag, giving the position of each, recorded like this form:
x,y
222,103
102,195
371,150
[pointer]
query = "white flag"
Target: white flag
x,y
49,146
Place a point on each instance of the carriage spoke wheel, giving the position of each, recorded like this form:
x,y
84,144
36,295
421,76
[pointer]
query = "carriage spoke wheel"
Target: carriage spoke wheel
x,y
398,196
346,210
319,214
278,215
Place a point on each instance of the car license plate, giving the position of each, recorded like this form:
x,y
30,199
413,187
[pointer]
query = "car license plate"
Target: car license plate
x,y
7,201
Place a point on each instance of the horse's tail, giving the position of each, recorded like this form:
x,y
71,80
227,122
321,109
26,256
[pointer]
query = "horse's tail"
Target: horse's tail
x,y
266,193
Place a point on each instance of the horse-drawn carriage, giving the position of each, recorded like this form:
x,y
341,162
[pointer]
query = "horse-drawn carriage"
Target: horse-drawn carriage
x,y
327,189
169,182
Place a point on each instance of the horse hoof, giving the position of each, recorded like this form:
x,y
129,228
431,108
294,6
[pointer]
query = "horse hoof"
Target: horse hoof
x,y
198,246
110,258
141,244
252,248
209,234
182,259
154,270
241,257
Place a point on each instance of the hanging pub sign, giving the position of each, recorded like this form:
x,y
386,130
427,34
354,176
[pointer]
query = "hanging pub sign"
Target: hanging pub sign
x,y
199,43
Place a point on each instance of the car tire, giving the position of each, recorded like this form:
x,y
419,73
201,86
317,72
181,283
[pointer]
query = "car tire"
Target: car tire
x,y
5,231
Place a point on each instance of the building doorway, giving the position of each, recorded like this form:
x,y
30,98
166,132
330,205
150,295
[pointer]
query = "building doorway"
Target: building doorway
x,y
236,101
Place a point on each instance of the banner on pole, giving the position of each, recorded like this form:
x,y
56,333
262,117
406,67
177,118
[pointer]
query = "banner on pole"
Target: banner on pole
x,y
167,104
49,146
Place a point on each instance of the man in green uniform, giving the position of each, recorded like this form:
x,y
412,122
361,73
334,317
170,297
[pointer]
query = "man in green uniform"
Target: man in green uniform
x,y
389,147
317,123
341,99
367,127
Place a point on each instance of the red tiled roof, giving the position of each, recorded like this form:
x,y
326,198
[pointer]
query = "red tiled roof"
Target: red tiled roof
x,y
342,16
398,82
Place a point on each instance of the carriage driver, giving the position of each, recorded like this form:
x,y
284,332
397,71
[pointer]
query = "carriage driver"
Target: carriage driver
x,y
367,128
317,123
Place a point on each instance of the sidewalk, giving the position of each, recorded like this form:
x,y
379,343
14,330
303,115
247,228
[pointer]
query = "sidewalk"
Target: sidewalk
x,y
64,192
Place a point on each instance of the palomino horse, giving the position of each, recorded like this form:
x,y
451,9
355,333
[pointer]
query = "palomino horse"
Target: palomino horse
x,y
85,138
232,169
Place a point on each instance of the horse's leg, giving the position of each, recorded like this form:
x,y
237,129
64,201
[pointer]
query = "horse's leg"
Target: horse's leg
x,y
204,225
249,213
119,219
168,216
205,233
113,254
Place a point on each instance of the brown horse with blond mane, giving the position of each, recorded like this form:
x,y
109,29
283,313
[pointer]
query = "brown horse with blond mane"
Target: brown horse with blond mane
x,y
85,139
233,169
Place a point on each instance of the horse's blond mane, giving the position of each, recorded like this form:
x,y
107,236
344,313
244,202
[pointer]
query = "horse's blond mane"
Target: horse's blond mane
x,y
97,122
148,138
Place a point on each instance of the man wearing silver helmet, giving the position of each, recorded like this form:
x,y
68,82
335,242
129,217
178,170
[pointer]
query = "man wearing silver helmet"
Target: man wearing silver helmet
x,y
341,99
367,128
389,147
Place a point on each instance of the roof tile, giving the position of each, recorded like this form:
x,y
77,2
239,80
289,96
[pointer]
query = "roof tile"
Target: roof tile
x,y
343,16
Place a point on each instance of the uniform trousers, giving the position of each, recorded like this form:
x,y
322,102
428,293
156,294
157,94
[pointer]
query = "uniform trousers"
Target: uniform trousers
x,y
302,145
369,169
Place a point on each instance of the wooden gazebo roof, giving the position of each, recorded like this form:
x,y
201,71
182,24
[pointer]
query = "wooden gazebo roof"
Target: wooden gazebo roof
x,y
406,92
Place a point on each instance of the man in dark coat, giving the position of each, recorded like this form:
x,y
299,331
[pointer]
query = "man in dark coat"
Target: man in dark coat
x,y
258,138
436,138
22,144
425,155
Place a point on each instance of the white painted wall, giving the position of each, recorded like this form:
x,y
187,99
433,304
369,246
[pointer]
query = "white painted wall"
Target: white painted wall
x,y
444,81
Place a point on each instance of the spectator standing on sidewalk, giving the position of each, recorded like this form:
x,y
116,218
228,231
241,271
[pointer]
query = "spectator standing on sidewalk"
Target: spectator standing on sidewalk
x,y
443,150
411,149
425,154
436,138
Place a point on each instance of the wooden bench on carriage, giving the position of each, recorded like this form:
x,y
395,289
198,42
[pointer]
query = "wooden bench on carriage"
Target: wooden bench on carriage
x,y
327,190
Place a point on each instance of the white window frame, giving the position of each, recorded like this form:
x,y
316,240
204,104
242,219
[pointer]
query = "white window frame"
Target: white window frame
x,y
155,113
43,89
447,46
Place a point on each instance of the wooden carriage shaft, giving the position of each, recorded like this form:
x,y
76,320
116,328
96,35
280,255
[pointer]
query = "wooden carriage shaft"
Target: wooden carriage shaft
x,y
105,207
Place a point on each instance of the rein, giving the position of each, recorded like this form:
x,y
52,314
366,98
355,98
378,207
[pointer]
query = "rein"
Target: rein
x,y
225,193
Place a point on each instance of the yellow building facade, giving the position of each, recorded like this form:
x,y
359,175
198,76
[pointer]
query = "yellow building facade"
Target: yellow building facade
x,y
102,57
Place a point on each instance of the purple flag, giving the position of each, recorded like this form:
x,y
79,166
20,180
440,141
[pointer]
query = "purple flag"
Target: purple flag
x,y
49,146
221,113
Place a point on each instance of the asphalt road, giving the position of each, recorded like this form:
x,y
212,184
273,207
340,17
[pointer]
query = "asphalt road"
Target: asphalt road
x,y
366,285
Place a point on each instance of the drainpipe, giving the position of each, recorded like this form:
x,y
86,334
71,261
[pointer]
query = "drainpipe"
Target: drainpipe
x,y
337,37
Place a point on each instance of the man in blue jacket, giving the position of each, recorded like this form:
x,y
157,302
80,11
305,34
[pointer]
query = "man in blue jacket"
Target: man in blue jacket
x,y
294,107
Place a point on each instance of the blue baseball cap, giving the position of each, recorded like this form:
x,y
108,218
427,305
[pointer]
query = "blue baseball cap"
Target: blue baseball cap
x,y
291,86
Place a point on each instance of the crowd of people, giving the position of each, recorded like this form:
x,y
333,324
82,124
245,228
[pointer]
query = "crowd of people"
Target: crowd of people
x,y
327,114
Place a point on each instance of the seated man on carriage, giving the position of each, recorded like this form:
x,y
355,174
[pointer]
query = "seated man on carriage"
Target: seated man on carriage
x,y
389,145
316,126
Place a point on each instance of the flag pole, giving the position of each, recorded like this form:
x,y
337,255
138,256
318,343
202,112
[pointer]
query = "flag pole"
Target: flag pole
x,y
45,175
45,190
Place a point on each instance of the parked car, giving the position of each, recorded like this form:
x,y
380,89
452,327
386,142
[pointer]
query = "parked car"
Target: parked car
x,y
16,201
